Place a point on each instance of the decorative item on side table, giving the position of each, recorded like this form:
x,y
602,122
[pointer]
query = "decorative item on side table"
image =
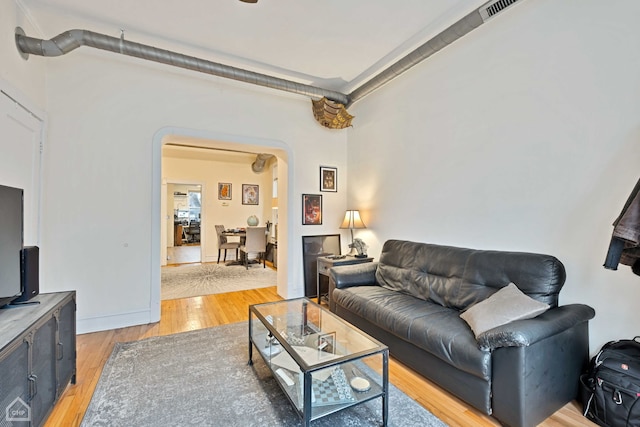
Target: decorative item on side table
x,y
360,246
352,220
253,221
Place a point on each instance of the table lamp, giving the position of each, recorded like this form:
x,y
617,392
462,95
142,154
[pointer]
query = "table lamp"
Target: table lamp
x,y
352,220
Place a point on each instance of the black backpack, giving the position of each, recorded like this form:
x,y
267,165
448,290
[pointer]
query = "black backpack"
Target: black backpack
x,y
610,390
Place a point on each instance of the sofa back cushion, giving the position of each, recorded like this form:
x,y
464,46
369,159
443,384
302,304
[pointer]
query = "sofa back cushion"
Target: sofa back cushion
x,y
459,277
423,270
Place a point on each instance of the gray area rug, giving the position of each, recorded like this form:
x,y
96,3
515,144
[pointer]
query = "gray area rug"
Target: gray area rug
x,y
201,378
205,279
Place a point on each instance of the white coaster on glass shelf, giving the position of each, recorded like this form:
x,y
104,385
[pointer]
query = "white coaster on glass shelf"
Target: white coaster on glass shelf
x,y
360,384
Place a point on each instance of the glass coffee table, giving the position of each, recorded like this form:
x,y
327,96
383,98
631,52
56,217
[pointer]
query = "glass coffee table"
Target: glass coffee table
x,y
322,363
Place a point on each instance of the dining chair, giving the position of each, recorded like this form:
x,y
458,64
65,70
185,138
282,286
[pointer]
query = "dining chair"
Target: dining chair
x,y
223,244
255,242
193,232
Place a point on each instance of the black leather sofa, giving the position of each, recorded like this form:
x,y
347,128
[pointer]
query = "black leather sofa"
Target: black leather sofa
x,y
411,300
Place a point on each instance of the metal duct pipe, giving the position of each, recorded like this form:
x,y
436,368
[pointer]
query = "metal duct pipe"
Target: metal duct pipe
x,y
446,37
72,39
261,160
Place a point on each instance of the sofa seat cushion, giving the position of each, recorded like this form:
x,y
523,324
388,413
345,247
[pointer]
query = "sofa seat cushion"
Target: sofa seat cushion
x,y
429,326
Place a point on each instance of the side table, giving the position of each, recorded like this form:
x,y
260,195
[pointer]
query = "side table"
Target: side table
x,y
326,262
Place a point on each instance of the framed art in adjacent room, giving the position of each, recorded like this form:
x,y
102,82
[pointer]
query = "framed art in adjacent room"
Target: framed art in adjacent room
x,y
224,191
328,179
250,194
311,209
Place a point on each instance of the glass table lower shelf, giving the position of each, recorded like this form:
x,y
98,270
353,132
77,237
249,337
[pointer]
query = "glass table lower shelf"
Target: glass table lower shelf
x,y
322,363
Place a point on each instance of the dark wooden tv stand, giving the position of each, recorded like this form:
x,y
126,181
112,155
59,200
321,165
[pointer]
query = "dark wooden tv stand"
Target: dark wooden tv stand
x,y
37,356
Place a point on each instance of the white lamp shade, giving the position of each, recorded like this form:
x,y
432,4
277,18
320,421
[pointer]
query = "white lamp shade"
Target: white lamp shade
x,y
352,220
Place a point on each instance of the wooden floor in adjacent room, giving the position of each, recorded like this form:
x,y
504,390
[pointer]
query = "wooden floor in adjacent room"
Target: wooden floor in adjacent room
x,y
212,310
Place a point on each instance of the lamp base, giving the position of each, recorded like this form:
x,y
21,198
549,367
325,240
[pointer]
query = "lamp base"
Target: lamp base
x,y
361,256
353,252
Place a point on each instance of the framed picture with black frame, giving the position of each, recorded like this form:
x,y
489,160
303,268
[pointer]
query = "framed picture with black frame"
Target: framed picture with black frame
x,y
328,179
250,194
224,191
311,209
312,248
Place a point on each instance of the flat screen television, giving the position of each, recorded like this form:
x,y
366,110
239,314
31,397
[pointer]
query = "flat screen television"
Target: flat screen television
x,y
11,243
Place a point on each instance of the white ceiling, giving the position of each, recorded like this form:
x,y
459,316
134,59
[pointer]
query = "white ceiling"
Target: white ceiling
x,y
333,44
189,152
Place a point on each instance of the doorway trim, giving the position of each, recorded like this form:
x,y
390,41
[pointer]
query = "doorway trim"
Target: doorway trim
x,y
221,140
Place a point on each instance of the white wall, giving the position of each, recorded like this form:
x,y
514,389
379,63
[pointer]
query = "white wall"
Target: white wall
x,y
104,112
23,79
20,160
22,120
522,136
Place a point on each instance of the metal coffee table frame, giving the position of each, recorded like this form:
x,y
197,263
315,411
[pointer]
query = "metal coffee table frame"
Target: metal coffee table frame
x,y
307,318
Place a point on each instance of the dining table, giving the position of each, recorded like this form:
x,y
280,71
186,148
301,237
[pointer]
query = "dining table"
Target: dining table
x,y
242,234
236,232
239,232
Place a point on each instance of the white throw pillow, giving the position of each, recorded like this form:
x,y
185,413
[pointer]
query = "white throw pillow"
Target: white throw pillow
x,y
505,306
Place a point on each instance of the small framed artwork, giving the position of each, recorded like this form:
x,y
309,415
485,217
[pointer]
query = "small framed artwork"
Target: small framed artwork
x,y
224,191
328,179
311,209
327,342
250,194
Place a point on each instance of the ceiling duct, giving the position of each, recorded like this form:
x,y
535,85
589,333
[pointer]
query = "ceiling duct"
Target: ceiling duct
x,y
72,39
494,7
461,28
261,161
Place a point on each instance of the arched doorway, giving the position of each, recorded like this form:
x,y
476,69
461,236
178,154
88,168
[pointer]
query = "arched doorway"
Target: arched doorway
x,y
216,140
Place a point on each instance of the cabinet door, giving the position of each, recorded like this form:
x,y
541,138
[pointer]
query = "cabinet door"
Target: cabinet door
x,y
14,383
66,346
43,371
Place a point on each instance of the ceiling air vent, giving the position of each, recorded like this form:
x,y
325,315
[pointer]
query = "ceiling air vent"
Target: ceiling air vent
x,y
491,9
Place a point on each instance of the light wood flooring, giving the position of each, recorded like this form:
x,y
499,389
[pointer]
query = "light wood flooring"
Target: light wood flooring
x,y
212,310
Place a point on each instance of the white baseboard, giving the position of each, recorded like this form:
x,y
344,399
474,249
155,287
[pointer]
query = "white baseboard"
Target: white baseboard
x,y
114,321
211,258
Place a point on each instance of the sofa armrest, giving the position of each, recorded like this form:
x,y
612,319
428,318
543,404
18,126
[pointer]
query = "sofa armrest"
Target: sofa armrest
x,y
523,333
345,276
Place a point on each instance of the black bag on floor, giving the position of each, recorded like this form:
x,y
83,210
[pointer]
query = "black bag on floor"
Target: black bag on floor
x,y
610,391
